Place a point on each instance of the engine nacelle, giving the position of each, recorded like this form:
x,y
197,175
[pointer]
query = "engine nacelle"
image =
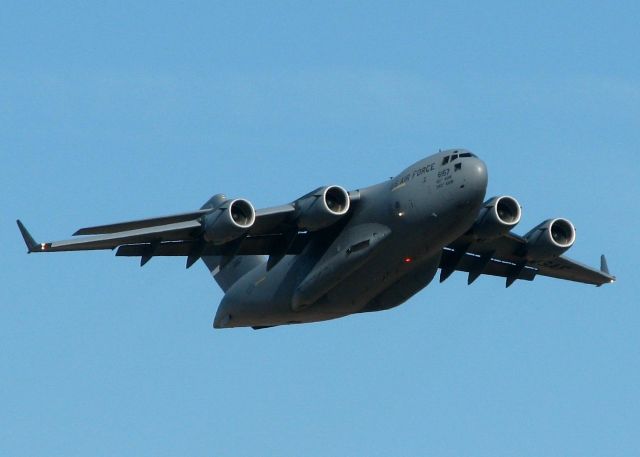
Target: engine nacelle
x,y
322,208
497,216
550,239
230,220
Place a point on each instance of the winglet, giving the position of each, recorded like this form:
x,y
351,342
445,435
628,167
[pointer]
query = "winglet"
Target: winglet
x,y
603,265
604,268
32,246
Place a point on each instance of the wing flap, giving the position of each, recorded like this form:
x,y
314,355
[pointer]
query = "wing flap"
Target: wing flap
x,y
260,245
510,247
494,267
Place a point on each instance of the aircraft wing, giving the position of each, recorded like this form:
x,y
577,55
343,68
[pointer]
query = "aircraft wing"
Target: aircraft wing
x,y
181,235
268,220
273,231
506,256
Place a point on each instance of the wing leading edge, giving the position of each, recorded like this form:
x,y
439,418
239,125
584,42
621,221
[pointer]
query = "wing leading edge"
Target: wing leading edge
x,y
179,235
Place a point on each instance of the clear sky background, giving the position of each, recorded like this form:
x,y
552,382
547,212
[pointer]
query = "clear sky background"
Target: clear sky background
x,y
117,110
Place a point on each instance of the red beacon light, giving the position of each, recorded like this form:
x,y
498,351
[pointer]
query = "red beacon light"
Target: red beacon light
x,y
407,260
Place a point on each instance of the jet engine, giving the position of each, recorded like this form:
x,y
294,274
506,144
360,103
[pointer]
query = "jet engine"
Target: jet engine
x,y
497,216
322,208
550,239
230,220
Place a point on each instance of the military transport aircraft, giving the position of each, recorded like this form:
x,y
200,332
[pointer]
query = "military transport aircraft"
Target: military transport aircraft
x,y
332,253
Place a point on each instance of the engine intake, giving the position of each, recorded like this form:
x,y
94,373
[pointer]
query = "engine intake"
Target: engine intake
x,y
231,220
322,208
550,239
497,216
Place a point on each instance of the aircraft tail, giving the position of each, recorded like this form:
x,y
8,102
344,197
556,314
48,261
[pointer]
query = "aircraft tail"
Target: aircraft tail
x,y
227,270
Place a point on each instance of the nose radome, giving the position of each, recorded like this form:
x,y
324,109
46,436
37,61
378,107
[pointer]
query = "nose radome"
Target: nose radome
x,y
477,173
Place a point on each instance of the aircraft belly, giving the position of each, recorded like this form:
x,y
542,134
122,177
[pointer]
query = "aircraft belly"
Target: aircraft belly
x,y
261,297
273,297
264,298
405,286
377,278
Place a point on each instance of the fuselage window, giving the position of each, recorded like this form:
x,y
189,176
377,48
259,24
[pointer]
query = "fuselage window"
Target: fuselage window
x,y
445,160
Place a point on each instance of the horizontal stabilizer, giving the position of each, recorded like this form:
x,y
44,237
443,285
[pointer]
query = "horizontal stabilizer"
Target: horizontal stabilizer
x,y
142,223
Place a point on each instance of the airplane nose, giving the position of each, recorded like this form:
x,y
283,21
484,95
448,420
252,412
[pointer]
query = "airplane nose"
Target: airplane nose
x,y
478,174
475,180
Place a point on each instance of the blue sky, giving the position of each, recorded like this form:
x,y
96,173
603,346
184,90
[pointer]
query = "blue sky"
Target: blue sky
x,y
111,111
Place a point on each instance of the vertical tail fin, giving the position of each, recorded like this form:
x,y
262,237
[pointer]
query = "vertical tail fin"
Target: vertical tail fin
x,y
227,270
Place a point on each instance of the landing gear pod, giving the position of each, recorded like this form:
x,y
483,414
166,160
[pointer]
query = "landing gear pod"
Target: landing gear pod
x,y
329,272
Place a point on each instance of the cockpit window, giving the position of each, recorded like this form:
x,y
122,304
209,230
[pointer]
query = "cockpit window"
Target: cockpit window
x,y
445,160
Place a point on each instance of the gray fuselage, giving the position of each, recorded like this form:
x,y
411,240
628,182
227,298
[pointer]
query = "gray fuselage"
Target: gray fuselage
x,y
387,249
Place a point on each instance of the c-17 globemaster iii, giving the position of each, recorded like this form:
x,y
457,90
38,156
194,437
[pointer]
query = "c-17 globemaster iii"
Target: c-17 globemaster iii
x,y
333,252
